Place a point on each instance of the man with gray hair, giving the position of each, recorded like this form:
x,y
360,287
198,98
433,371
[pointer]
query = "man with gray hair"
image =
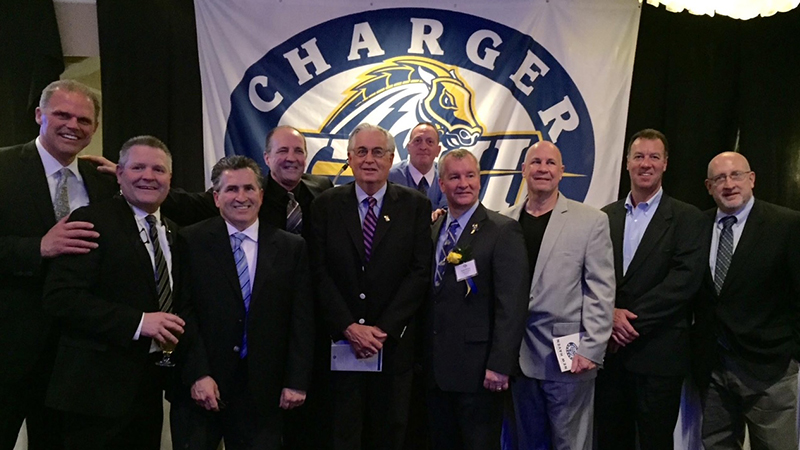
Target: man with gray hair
x,y
371,254
41,182
114,306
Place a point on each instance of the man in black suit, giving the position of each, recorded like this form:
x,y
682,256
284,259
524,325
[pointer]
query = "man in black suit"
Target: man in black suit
x,y
113,306
253,349
476,313
658,263
371,268
747,321
286,186
31,233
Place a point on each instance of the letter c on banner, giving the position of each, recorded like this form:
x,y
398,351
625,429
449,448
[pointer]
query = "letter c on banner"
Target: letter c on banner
x,y
258,102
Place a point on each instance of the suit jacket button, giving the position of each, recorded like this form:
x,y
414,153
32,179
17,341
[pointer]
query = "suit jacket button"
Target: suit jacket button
x,y
236,348
362,296
361,321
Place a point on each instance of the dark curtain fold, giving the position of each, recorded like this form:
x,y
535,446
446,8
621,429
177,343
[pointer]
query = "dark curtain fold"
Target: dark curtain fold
x,y
704,81
151,80
30,48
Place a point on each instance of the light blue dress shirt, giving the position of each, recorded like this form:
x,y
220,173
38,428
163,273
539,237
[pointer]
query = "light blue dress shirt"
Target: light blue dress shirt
x,y
636,221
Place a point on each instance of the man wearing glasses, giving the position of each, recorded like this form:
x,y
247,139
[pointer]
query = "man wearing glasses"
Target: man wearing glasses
x,y
371,257
747,314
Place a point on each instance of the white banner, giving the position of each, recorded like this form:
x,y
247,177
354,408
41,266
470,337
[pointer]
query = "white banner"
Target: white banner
x,y
494,77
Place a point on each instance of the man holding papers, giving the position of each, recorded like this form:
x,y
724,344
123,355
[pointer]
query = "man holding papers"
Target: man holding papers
x,y
571,300
371,268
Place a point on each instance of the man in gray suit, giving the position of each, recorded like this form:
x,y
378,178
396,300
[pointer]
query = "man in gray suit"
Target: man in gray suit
x,y
571,291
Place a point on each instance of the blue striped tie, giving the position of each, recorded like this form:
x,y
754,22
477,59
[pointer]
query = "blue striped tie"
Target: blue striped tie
x,y
370,222
724,252
244,281
447,247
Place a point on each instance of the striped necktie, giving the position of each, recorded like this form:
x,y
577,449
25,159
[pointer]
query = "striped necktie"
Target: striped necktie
x,y
161,274
724,252
370,222
244,281
61,201
447,247
294,215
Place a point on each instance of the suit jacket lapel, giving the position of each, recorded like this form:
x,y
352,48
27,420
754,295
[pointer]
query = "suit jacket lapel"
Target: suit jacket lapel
x,y
616,221
220,242
39,191
134,236
90,181
267,250
388,210
747,242
658,225
554,226
473,227
351,219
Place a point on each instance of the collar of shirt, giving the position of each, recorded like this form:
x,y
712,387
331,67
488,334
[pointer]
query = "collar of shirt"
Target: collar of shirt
x,y
378,196
647,206
141,222
251,232
416,175
52,166
741,215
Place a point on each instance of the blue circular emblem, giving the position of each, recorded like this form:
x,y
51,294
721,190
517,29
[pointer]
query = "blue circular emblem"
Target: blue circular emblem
x,y
572,349
485,86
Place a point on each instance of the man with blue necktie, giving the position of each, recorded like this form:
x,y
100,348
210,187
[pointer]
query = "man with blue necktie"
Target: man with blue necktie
x,y
248,305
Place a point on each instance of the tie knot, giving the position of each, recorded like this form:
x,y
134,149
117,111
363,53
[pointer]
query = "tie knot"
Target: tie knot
x,y
453,226
728,221
64,172
371,202
150,219
291,196
238,238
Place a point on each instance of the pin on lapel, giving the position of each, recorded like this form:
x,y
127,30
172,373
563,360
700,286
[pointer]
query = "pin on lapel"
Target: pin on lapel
x,y
474,228
386,218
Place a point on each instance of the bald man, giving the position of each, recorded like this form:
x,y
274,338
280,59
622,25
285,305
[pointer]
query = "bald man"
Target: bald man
x,y
747,314
571,291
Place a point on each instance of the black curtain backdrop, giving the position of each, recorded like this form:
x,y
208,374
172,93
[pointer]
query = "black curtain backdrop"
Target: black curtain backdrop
x,y
703,81
151,80
706,82
30,51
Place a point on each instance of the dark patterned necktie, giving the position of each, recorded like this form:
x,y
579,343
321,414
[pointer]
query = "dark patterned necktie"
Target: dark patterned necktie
x,y
370,222
423,186
61,201
294,215
724,252
161,274
447,247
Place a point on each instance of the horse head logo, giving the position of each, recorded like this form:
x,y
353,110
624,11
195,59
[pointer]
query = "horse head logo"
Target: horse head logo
x,y
406,90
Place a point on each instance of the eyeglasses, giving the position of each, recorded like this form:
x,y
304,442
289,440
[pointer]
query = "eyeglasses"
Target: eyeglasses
x,y
734,176
377,152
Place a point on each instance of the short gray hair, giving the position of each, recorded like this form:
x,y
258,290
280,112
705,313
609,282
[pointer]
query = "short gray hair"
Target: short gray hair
x,y
458,153
70,86
351,141
148,141
235,162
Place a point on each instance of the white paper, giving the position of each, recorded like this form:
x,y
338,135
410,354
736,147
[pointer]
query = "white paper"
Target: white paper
x,y
466,270
344,360
566,348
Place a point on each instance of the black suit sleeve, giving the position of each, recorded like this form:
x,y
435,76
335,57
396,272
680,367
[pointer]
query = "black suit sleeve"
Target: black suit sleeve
x,y
301,339
186,208
73,294
665,302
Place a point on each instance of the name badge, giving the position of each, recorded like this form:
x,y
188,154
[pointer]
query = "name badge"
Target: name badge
x,y
466,270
